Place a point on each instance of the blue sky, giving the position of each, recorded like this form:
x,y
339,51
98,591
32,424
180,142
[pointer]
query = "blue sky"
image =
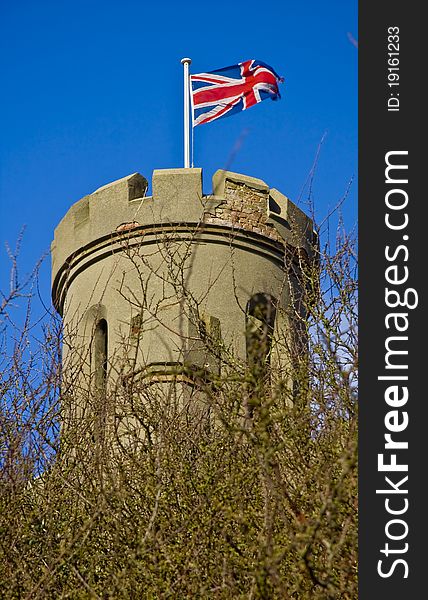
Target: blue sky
x,y
92,91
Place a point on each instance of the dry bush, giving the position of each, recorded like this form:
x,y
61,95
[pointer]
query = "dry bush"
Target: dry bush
x,y
250,496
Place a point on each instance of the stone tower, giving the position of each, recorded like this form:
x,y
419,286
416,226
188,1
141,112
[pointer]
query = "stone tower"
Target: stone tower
x,y
154,286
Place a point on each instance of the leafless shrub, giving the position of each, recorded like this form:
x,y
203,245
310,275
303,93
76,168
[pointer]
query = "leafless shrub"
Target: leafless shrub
x,y
251,495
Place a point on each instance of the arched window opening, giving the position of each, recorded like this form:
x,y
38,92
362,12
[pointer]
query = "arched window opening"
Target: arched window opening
x,y
100,355
260,321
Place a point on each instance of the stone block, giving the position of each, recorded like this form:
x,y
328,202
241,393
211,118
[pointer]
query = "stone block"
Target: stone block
x,y
177,194
221,176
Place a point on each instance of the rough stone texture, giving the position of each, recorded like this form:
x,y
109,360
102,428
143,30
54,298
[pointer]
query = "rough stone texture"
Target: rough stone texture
x,y
245,206
248,204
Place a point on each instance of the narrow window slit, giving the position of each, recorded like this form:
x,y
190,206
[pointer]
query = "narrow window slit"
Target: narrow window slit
x,y
100,355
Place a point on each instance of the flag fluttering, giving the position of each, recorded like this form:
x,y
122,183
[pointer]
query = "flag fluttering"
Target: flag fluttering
x,y
229,90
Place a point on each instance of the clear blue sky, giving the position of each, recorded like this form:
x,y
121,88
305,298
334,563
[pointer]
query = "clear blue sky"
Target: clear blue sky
x,y
92,91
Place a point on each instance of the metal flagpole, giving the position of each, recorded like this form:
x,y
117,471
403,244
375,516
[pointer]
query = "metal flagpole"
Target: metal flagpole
x,y
186,62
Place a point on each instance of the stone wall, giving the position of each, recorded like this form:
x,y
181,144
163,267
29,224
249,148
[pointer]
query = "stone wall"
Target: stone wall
x,y
244,207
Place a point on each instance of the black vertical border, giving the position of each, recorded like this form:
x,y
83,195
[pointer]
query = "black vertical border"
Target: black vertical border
x,y
381,131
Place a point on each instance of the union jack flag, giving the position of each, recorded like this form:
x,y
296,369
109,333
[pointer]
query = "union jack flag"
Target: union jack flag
x,y
232,89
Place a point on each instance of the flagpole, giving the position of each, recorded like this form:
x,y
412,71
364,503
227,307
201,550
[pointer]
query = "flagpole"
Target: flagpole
x,y
186,62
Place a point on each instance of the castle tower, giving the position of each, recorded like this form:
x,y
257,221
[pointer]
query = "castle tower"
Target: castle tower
x,y
153,286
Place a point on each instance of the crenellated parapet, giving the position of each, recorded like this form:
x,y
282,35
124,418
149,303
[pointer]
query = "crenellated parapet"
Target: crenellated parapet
x,y
243,207
173,287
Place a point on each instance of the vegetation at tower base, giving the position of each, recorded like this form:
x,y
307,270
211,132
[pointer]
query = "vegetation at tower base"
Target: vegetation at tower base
x,y
213,478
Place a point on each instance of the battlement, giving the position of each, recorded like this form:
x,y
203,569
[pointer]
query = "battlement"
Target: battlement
x,y
241,203
160,283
